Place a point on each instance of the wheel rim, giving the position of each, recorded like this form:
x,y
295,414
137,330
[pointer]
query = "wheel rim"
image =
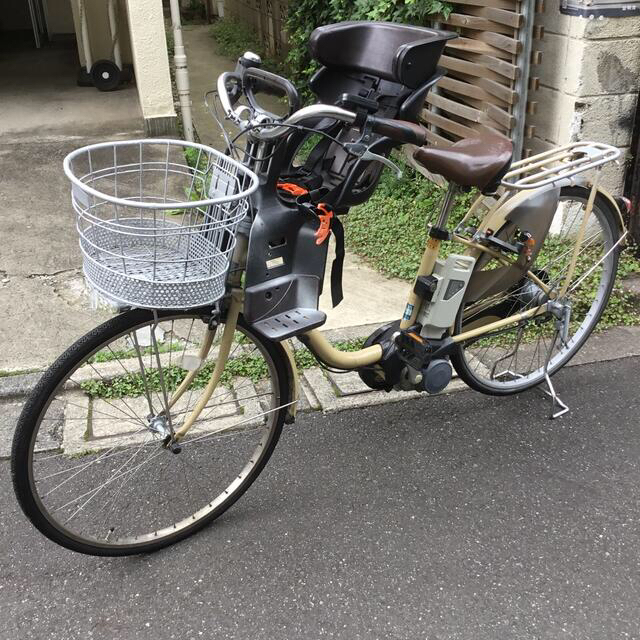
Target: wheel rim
x,y
115,485
516,358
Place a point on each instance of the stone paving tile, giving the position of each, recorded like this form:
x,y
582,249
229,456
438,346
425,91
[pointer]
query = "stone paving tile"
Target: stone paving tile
x,y
308,399
71,427
348,384
49,435
18,385
335,394
104,423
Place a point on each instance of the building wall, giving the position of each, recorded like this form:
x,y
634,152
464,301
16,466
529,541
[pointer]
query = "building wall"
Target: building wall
x,y
14,14
589,81
100,41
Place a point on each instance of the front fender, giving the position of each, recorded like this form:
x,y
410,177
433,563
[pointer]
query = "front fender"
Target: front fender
x,y
294,382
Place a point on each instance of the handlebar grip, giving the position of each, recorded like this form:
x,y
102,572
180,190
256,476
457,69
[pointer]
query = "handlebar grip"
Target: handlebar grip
x,y
256,79
399,130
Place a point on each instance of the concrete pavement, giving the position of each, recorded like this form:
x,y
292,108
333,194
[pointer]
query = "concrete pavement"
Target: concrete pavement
x,y
44,117
458,517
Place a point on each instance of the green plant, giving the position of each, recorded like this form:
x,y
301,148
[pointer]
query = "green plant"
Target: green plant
x,y
389,230
234,38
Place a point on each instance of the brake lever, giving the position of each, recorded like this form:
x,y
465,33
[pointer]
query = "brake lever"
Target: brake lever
x,y
363,153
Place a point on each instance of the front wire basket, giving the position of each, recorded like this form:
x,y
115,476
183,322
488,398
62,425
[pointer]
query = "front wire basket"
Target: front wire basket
x,y
157,219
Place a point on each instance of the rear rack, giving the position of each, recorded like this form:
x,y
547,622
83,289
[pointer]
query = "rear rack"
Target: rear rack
x,y
558,164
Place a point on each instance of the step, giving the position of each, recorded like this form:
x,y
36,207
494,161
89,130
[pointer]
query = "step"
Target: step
x,y
289,323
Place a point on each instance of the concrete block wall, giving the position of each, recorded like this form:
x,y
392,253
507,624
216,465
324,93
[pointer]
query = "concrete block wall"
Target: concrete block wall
x,y
589,82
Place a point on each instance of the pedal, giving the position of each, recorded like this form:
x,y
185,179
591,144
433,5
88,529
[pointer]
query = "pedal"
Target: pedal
x,y
289,323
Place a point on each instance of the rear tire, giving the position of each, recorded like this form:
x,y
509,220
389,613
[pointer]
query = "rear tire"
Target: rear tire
x,y
479,361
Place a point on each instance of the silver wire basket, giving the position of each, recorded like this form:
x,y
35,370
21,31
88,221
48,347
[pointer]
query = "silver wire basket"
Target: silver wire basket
x,y
157,219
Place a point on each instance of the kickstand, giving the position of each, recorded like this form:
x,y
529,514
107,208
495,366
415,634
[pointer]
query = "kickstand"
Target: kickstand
x,y
555,400
558,408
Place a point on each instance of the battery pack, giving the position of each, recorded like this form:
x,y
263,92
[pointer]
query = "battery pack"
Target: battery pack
x,y
452,276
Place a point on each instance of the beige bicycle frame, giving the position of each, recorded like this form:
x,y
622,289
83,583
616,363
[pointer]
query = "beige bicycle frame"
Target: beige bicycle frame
x,y
333,357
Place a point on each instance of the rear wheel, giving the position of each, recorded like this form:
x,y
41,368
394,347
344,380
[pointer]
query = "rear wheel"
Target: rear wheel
x,y
514,359
89,466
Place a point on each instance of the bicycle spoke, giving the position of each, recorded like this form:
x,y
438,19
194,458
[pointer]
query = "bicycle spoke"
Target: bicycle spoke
x,y
122,479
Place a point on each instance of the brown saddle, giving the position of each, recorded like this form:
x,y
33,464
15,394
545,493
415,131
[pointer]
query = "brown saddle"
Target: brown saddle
x,y
472,162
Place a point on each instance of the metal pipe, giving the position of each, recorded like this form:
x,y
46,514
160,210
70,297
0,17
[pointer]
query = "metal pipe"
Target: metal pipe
x,y
500,324
429,257
221,363
182,73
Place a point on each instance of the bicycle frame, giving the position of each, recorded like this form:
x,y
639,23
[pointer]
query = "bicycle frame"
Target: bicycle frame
x,y
494,218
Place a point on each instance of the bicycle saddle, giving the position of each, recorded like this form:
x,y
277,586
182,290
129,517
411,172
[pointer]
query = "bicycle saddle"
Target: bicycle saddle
x,y
472,162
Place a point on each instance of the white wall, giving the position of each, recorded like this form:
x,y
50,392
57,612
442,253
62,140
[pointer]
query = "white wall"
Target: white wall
x,y
151,61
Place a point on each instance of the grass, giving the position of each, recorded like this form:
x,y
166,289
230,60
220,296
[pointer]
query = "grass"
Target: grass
x,y
249,366
389,232
16,372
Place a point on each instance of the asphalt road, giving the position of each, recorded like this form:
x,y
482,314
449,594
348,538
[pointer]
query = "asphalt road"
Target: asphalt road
x,y
462,516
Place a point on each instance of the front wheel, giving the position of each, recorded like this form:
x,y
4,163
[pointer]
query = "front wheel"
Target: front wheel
x,y
516,358
90,464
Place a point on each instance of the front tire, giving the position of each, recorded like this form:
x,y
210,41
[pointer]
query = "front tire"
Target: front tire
x,y
88,463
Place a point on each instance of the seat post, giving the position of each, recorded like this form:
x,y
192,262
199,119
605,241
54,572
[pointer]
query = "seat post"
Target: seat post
x,y
447,205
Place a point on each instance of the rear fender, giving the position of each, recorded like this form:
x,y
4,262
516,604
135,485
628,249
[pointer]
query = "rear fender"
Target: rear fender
x,y
530,210
610,200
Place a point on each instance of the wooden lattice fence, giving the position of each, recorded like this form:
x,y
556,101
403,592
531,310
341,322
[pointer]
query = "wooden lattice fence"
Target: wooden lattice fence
x,y
488,81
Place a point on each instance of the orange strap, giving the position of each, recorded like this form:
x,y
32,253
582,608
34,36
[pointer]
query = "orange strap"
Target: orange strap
x,y
293,189
325,223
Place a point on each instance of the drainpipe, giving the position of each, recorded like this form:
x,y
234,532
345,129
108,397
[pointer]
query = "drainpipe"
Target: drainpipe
x,y
182,74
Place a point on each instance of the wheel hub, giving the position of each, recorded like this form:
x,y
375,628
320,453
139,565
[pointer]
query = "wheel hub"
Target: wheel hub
x,y
159,425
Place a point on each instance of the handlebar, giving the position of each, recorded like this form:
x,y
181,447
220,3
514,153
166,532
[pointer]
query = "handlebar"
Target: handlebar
x,y
400,131
257,79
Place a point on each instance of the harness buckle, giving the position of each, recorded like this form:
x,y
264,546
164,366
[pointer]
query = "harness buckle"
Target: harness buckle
x,y
292,188
325,223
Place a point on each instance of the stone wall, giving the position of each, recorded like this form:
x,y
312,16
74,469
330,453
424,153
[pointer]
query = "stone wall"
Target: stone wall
x,y
589,81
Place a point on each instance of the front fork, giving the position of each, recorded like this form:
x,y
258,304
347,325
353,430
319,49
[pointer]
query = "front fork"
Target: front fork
x,y
238,262
221,361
